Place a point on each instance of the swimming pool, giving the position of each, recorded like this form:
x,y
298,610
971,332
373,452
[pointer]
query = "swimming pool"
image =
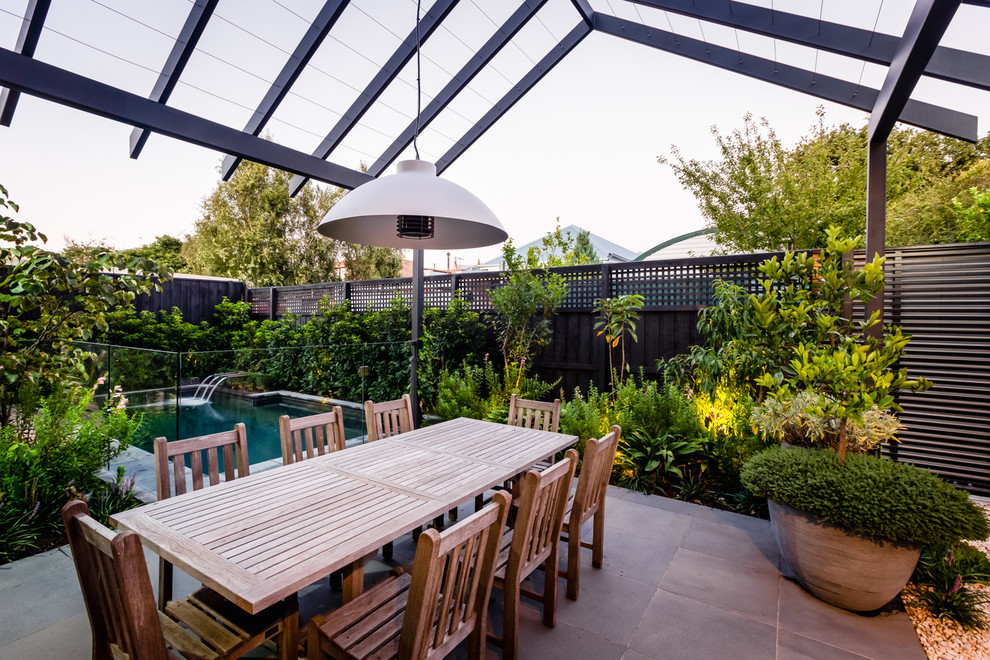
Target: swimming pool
x,y
222,412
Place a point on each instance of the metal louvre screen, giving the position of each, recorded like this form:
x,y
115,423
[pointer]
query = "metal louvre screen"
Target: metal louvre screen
x,y
941,297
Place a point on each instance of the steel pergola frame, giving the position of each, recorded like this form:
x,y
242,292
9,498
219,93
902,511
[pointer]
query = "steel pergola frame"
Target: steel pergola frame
x,y
908,57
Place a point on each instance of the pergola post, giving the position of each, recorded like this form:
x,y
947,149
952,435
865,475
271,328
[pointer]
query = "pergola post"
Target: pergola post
x,y
417,331
876,218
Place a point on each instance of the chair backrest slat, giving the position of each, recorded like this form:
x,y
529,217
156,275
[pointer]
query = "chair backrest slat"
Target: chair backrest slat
x,y
388,418
235,454
310,436
542,502
451,582
534,414
599,454
116,588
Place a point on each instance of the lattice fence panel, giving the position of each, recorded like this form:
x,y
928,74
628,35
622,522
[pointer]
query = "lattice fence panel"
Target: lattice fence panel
x,y
305,300
379,294
261,302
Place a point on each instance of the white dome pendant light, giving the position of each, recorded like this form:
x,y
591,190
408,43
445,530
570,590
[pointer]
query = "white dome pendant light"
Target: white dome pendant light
x,y
413,208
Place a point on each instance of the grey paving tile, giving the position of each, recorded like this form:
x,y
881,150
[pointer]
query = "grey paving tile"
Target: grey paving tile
x,y
882,636
751,592
609,605
679,628
665,503
736,519
644,521
797,647
30,568
48,596
634,557
729,541
562,642
635,655
67,638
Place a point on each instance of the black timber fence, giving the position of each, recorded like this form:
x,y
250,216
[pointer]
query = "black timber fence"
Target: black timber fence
x,y
940,295
195,296
674,291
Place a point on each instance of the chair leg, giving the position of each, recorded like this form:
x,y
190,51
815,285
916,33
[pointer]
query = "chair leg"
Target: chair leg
x,y
598,538
550,589
164,583
573,562
313,650
510,626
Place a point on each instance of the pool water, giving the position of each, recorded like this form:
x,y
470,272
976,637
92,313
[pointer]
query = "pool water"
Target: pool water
x,y
222,412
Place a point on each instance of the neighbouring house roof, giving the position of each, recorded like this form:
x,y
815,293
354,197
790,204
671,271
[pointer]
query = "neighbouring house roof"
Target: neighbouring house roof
x,y
604,248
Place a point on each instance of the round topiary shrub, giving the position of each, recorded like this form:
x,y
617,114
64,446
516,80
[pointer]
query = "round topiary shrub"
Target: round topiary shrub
x,y
881,498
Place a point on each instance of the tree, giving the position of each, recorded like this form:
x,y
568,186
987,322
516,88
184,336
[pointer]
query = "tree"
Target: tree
x,y
761,196
525,304
252,230
584,251
618,317
48,301
368,262
165,251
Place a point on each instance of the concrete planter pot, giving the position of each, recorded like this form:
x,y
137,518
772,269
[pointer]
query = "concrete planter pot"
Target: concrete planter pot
x,y
851,571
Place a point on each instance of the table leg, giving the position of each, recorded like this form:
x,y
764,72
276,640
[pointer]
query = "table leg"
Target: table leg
x,y
288,643
354,580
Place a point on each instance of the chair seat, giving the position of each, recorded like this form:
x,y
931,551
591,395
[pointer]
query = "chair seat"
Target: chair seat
x,y
370,625
207,625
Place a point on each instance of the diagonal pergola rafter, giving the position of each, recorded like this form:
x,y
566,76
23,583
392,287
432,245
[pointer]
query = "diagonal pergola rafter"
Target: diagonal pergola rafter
x,y
917,113
949,64
303,53
461,79
27,41
197,20
427,26
52,83
542,68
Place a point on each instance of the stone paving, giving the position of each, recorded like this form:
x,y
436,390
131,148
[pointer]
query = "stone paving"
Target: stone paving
x,y
680,581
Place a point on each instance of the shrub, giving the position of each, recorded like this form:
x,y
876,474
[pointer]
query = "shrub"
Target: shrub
x,y
944,574
65,447
893,501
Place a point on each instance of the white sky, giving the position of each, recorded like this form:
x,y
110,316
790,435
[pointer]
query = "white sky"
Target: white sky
x,y
582,145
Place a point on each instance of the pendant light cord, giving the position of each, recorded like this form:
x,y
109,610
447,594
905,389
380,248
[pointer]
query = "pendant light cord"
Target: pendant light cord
x,y
419,91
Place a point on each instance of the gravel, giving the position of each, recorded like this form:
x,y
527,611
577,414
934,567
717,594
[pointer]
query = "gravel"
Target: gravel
x,y
944,640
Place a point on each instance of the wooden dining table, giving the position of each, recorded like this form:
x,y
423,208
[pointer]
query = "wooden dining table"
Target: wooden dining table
x,y
260,539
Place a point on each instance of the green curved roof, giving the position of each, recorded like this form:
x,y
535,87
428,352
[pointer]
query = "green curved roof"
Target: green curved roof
x,y
676,239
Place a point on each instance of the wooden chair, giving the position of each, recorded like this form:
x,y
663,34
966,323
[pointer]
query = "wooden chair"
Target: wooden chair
x,y
314,435
588,502
533,542
388,418
443,602
529,414
121,604
534,414
233,444
384,420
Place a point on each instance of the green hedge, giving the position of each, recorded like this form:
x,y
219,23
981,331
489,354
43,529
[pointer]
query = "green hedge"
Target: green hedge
x,y
885,499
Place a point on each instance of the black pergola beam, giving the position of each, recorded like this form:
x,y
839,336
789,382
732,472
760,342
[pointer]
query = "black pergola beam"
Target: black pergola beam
x,y
924,31
542,68
427,25
949,64
27,41
584,8
917,113
182,50
303,53
462,79
51,83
